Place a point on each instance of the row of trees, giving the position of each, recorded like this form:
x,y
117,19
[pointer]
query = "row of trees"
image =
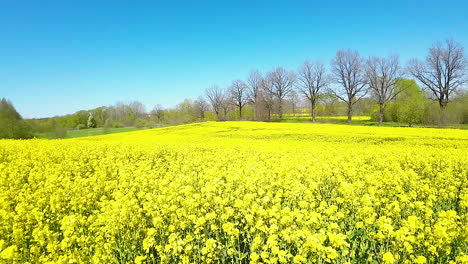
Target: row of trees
x,y
120,114
351,85
410,107
350,79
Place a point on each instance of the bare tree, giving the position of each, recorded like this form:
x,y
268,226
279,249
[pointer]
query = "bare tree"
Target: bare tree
x,y
238,92
226,105
382,77
282,81
443,71
294,100
118,111
158,112
201,107
312,80
266,97
254,81
127,113
348,71
215,97
137,108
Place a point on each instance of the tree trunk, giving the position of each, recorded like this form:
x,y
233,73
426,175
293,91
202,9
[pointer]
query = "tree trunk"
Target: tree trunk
x,y
443,101
381,114
254,116
280,108
240,112
255,108
350,114
313,111
442,109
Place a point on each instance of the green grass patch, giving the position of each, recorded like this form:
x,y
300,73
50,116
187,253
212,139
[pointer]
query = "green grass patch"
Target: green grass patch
x,y
89,132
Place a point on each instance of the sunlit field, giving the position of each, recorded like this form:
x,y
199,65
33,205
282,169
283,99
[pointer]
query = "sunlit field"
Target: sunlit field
x,y
301,116
89,132
238,192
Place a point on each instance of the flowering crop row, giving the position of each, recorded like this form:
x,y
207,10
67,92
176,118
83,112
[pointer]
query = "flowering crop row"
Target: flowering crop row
x,y
237,192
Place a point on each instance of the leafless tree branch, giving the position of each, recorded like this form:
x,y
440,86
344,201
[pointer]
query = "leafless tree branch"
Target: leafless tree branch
x,y
216,98
349,73
443,72
312,80
282,82
239,94
382,77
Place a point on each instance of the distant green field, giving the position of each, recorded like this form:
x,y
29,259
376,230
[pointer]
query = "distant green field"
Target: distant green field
x,y
90,132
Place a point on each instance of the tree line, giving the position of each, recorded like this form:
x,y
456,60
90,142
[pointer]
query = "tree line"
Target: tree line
x,y
429,91
12,124
350,78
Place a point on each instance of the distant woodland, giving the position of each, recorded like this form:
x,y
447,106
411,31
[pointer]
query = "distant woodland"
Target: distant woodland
x,y
429,92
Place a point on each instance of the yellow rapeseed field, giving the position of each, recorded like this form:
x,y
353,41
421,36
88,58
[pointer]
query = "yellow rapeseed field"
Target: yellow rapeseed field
x,y
302,116
238,192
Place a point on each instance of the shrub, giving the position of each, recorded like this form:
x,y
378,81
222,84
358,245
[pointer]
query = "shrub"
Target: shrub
x,y
59,132
91,121
12,124
116,124
140,123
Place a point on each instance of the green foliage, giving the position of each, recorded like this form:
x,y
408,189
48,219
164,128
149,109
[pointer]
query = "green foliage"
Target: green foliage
x,y
83,133
12,124
91,122
157,114
409,106
457,110
247,113
152,124
100,115
81,126
140,123
364,106
329,105
210,116
72,121
59,132
412,106
387,113
182,113
80,117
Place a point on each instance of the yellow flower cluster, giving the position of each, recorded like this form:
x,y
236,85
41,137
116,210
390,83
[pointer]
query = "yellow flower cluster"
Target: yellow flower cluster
x,y
308,116
238,192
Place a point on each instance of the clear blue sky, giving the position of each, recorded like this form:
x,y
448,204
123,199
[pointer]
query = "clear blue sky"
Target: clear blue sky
x,y
58,57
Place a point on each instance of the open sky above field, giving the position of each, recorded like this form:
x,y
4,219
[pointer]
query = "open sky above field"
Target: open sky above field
x,y
57,57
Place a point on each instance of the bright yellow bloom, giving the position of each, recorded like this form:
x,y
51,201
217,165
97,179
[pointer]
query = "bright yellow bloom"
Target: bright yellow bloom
x,y
232,192
388,257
